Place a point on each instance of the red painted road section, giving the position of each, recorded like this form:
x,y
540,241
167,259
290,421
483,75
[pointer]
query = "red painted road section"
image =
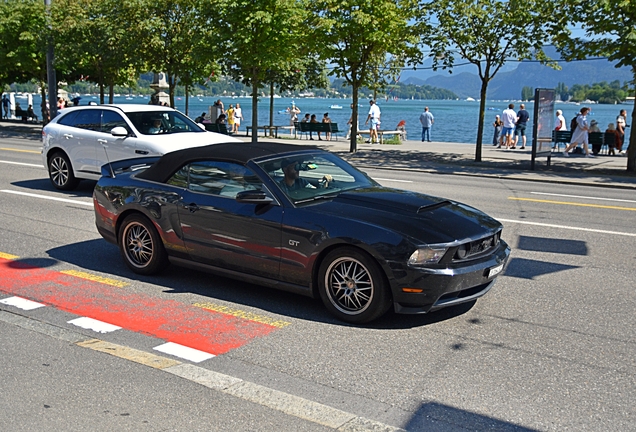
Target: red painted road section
x,y
197,328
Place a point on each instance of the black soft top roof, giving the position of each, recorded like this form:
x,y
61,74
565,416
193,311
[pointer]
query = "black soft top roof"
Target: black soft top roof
x,y
169,163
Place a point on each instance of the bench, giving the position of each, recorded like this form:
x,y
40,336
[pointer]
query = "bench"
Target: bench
x,y
20,113
381,133
561,137
216,127
597,140
306,128
273,130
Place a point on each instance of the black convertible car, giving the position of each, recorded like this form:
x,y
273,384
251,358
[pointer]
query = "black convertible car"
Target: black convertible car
x,y
299,219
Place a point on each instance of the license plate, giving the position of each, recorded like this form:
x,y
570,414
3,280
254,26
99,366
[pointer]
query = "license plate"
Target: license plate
x,y
495,271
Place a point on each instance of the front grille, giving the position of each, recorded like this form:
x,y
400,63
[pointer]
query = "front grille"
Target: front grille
x,y
477,248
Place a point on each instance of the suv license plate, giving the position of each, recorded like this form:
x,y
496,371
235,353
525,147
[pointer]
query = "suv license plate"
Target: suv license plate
x,y
495,271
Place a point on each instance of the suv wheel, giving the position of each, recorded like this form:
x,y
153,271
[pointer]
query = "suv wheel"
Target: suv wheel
x,y
61,172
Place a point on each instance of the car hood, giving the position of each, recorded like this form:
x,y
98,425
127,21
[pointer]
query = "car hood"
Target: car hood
x,y
424,218
183,140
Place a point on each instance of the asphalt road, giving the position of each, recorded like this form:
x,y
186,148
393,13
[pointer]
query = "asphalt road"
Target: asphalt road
x,y
550,347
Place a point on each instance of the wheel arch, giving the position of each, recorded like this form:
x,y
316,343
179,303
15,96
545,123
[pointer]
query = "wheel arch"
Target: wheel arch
x,y
363,248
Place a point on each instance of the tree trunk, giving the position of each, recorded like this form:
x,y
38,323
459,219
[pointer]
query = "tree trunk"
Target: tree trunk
x,y
254,111
187,98
271,105
353,146
111,93
482,115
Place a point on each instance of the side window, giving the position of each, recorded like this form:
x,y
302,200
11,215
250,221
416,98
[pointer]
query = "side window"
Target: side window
x,y
89,119
111,119
68,119
217,178
180,178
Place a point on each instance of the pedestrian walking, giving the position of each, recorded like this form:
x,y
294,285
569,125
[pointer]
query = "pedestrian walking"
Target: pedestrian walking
x,y
427,120
238,116
621,122
374,116
580,134
6,105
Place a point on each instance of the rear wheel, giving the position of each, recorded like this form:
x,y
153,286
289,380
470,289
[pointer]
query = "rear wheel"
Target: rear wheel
x,y
141,246
61,172
352,286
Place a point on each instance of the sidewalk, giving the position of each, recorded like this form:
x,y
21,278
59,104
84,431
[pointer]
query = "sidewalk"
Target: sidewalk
x,y
450,158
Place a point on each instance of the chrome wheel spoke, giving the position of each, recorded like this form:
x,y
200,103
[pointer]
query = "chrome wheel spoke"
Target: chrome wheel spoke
x,y
139,245
350,285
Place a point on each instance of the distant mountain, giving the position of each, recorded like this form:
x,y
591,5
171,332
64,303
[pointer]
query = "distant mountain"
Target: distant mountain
x,y
508,84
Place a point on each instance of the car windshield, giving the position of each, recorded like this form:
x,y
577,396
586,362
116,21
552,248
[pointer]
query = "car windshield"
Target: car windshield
x,y
162,122
312,176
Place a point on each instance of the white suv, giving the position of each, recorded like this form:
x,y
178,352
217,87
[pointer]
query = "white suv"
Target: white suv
x,y
81,139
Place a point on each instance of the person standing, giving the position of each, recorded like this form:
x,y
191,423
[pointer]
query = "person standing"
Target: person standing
x,y
374,116
238,116
561,124
326,119
621,121
509,118
427,120
580,134
230,118
6,105
498,125
520,127
293,114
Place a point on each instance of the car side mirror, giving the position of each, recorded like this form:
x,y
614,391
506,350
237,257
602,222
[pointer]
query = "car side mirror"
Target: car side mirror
x,y
253,197
119,131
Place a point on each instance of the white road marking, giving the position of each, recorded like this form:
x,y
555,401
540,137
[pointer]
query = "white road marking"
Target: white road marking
x,y
392,180
48,197
93,324
23,164
184,352
584,197
21,303
566,227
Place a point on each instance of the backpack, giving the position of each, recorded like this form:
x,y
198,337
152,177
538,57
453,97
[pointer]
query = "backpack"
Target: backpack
x,y
573,124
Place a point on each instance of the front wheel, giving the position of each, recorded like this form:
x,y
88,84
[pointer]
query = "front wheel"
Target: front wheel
x,y
141,246
61,172
352,286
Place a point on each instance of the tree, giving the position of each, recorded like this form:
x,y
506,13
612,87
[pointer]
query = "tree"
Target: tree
x,y
24,33
487,33
562,91
367,42
609,32
94,40
262,39
527,93
179,39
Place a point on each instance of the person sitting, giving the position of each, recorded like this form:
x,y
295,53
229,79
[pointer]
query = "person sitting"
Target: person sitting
x,y
221,119
31,113
313,120
200,118
292,180
402,128
156,126
611,143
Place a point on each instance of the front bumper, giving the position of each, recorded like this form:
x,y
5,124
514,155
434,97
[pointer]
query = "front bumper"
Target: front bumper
x,y
461,283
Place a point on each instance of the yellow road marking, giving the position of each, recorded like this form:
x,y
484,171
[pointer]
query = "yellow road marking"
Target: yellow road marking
x,y
131,354
8,256
94,278
573,204
242,314
21,151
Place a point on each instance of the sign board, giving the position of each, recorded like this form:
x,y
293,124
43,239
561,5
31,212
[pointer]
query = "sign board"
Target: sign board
x,y
543,124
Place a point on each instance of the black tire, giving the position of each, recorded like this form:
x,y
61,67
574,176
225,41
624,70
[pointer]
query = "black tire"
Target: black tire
x,y
141,245
61,172
352,286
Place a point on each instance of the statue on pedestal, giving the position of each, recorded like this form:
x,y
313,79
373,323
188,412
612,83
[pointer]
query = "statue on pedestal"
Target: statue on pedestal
x,y
159,84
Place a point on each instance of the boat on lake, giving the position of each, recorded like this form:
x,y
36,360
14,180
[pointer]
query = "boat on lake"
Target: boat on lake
x,y
335,106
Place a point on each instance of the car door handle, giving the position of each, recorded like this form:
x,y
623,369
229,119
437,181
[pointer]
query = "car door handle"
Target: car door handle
x,y
67,136
192,207
142,152
103,141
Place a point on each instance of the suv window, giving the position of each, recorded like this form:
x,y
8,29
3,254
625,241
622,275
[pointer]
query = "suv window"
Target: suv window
x,y
111,119
217,178
171,122
89,119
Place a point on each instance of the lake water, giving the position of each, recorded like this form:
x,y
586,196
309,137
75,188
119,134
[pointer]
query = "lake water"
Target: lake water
x,y
455,120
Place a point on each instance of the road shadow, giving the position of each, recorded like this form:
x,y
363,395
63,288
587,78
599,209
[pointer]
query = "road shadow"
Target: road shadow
x,y
100,256
84,188
529,269
552,245
433,416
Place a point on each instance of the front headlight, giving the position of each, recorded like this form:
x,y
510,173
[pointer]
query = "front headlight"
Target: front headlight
x,y
427,255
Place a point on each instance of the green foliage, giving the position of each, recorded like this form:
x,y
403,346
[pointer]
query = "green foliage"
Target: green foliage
x,y
23,41
600,92
487,33
365,41
527,93
610,31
